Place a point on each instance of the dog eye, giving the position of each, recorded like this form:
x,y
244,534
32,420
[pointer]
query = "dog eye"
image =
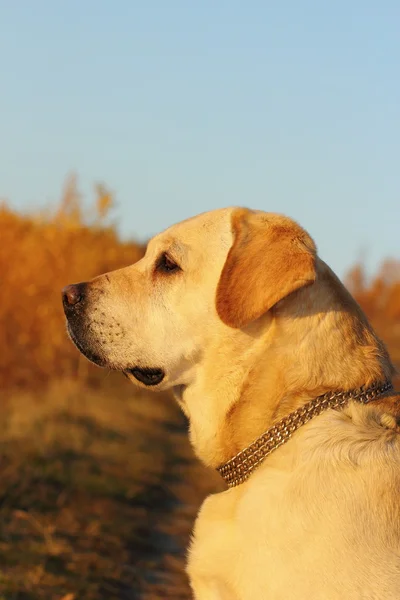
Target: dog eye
x,y
165,264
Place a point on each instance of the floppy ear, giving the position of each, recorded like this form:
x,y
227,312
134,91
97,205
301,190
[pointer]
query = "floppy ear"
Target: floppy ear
x,y
271,257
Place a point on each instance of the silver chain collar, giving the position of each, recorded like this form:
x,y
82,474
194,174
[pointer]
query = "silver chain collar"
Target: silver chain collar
x,y
236,470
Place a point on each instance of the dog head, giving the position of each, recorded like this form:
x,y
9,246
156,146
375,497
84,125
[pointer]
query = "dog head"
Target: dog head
x,y
201,280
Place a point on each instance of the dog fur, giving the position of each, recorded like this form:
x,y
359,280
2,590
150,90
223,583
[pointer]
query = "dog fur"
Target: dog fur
x,y
250,325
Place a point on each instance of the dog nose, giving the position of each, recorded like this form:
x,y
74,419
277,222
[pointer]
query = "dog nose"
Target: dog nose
x,y
73,294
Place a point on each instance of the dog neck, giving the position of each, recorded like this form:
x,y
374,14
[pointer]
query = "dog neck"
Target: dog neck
x,y
239,468
292,354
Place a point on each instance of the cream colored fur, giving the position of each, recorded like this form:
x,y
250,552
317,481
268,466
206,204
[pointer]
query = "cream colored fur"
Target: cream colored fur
x,y
252,326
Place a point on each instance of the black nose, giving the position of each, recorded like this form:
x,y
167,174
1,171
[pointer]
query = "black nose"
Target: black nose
x,y
73,295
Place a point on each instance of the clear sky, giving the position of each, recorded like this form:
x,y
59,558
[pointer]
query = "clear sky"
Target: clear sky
x,y
181,106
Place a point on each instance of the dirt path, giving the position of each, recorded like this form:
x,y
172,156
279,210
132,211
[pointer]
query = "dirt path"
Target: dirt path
x,y
98,497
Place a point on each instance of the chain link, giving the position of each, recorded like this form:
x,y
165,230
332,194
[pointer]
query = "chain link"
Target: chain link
x,y
236,470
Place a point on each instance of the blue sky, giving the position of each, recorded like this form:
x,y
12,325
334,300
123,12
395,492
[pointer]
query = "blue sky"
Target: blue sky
x,y
183,106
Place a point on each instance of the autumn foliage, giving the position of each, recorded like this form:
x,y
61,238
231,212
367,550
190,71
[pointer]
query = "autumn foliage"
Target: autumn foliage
x,y
39,255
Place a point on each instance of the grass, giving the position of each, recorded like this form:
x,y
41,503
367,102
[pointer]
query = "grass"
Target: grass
x,y
98,498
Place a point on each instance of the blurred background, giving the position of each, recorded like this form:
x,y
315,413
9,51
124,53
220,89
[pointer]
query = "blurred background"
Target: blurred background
x,y
117,120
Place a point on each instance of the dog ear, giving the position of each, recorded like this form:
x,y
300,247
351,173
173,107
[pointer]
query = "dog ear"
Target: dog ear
x,y
271,257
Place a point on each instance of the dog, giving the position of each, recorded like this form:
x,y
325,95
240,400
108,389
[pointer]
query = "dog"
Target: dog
x,y
288,393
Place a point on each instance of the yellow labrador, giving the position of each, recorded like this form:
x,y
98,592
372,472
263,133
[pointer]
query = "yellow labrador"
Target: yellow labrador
x,y
234,311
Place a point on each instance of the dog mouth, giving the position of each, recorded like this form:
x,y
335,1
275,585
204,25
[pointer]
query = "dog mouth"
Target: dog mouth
x,y
147,376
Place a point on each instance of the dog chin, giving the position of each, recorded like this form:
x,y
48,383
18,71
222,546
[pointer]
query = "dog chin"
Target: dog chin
x,y
85,350
147,376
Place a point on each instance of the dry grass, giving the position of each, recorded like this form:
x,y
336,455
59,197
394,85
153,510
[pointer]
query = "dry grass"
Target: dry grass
x,y
98,495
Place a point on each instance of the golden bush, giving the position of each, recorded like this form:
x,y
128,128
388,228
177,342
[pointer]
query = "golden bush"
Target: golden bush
x,y
39,255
